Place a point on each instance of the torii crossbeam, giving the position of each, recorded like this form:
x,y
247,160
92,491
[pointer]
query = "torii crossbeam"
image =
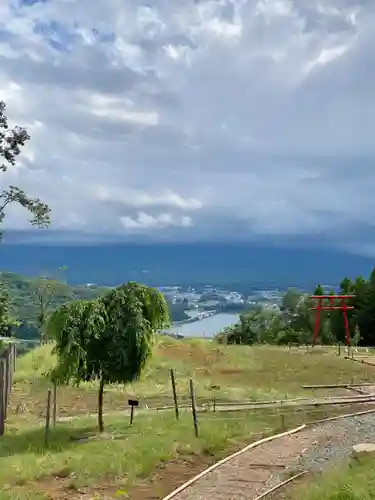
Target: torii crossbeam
x,y
342,306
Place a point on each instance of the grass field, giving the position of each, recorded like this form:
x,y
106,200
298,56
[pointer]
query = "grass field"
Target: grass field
x,y
352,480
157,453
241,372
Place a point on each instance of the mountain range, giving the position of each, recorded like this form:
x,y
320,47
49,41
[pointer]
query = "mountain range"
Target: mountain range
x,y
185,264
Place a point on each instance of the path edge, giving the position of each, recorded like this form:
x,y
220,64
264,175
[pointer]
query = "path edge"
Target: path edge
x,y
194,479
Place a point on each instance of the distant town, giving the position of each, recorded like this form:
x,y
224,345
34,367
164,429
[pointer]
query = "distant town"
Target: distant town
x,y
213,298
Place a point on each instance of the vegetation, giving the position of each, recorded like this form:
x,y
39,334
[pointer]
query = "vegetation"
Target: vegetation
x,y
108,339
11,143
352,480
294,322
240,373
12,140
156,446
31,300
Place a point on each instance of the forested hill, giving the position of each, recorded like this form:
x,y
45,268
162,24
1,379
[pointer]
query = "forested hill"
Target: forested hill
x,y
28,297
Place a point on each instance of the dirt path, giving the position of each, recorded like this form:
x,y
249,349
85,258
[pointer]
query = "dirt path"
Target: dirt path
x,y
261,468
254,472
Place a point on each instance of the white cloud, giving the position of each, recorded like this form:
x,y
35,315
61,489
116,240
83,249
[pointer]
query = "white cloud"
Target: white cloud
x,y
159,221
207,119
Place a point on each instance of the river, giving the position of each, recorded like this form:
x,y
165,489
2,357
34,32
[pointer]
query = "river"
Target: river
x,y
207,327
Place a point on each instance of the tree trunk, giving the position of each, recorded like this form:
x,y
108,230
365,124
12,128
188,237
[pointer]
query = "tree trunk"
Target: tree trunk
x,y
100,405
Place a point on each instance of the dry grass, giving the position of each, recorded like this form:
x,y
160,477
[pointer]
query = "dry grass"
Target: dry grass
x,y
147,460
241,372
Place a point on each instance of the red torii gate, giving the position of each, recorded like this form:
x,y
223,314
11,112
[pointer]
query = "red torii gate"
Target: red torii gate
x,y
332,307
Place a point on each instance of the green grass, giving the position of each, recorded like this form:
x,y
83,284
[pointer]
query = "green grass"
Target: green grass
x,y
154,438
29,470
241,372
354,480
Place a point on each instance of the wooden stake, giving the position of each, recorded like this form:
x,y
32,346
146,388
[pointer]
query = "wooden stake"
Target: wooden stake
x,y
193,408
282,416
48,418
2,412
175,401
54,405
6,383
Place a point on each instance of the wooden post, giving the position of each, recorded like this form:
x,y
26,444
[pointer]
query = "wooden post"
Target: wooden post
x,y
48,418
11,369
174,395
193,408
339,349
2,416
131,415
6,382
14,357
282,416
54,405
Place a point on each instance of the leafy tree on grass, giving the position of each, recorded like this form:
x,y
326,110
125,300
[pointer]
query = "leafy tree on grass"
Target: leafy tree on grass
x,y
108,339
11,143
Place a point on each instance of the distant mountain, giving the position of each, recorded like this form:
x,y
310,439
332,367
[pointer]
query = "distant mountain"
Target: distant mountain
x,y
168,264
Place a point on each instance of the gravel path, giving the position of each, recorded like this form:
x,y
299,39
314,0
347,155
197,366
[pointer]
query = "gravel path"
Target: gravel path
x,y
313,449
353,430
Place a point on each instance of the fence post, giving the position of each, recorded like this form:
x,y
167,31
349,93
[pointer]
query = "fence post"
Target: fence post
x,y
2,383
193,407
6,382
54,404
14,356
11,368
174,395
48,418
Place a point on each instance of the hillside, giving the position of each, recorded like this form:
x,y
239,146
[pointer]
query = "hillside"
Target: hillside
x,y
157,453
239,372
25,293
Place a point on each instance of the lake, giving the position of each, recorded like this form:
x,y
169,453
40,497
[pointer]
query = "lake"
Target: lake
x,y
207,327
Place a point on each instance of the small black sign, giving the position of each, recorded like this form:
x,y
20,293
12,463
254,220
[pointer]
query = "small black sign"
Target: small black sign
x,y
133,402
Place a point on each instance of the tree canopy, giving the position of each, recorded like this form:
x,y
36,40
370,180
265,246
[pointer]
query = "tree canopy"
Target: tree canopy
x,y
12,140
107,339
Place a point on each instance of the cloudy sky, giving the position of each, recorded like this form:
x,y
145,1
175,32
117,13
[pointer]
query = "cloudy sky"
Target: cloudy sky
x,y
195,119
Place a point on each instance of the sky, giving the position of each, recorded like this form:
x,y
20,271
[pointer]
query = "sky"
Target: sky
x,y
193,120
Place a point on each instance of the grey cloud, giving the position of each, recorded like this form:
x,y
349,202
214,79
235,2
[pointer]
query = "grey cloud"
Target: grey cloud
x,y
265,141
93,73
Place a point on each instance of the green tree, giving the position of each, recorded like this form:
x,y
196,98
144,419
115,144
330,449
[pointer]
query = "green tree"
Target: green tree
x,y
319,290
12,140
290,300
323,333
45,293
364,312
108,339
7,320
358,288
